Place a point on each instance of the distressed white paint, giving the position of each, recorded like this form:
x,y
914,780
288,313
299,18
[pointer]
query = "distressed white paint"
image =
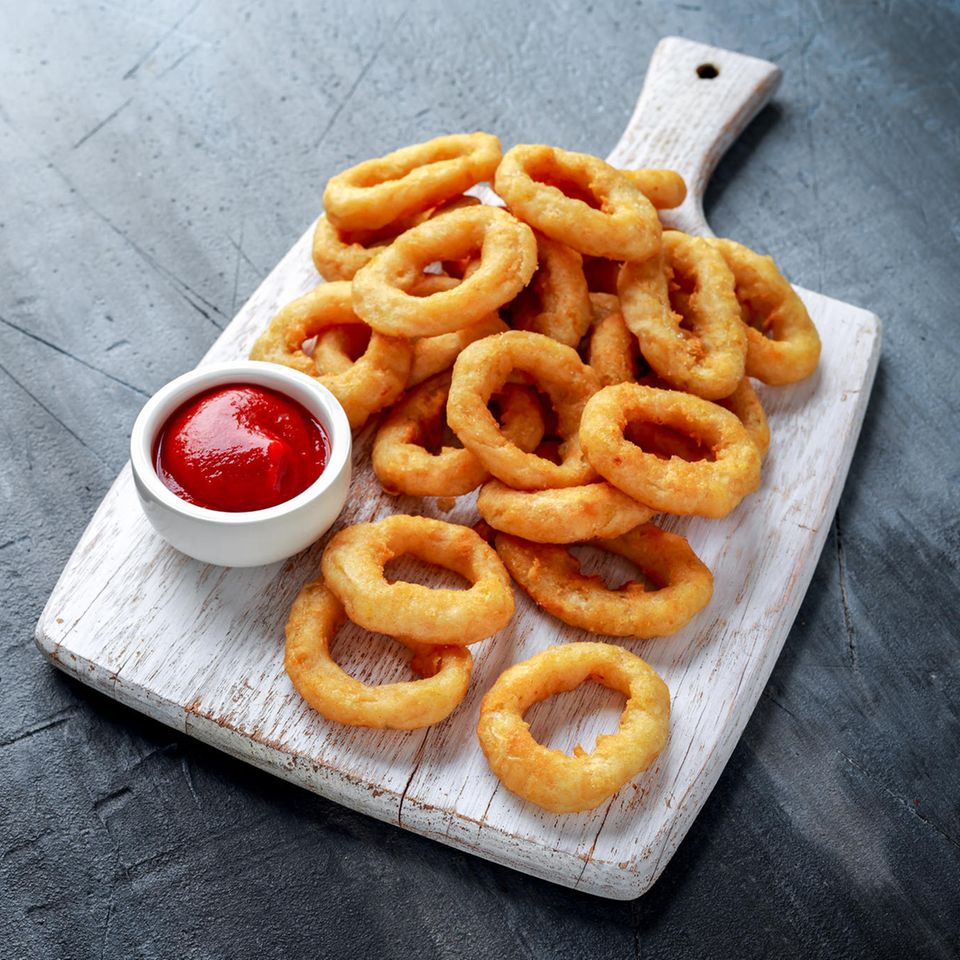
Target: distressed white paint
x,y
200,648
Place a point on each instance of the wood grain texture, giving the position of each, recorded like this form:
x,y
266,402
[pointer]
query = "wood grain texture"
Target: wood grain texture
x,y
200,647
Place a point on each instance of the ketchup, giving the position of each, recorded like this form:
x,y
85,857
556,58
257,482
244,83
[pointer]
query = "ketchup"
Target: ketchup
x,y
240,447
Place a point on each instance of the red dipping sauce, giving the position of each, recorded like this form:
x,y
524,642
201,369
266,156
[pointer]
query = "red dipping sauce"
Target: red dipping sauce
x,y
240,447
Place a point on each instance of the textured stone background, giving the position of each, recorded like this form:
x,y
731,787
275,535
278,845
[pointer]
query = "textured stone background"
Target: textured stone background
x,y
157,159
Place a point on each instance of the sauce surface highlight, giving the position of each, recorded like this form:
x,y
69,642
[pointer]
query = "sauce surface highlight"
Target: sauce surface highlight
x,y
240,447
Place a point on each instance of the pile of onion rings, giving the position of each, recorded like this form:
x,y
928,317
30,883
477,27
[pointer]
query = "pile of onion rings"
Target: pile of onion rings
x,y
580,366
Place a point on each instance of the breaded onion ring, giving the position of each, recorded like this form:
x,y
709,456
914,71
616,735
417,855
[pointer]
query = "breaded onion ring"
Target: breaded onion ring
x,y
665,189
353,563
551,575
432,355
376,379
708,359
708,488
337,349
611,348
770,305
339,255
566,515
404,465
481,371
383,291
314,619
745,403
579,200
555,303
550,778
410,180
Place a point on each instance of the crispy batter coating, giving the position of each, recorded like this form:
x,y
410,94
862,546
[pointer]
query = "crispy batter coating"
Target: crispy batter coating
x,y
482,369
338,255
384,294
375,380
550,778
432,355
565,515
745,403
314,619
612,349
555,302
353,563
783,345
708,358
404,465
707,487
409,180
665,189
579,200
551,575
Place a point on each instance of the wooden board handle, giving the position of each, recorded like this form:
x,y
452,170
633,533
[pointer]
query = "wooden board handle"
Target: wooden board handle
x,y
696,100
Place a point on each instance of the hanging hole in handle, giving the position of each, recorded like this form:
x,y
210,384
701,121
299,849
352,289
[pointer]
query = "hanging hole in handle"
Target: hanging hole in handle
x,y
707,71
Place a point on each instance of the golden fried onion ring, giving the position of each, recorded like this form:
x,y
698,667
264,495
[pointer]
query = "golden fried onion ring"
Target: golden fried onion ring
x,y
376,379
551,575
709,360
769,303
579,200
353,563
745,403
565,515
611,348
339,255
337,348
555,302
314,619
409,180
707,488
404,465
481,371
550,778
665,189
383,291
432,355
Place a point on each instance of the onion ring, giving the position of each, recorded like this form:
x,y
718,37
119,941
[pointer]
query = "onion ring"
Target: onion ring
x,y
551,575
555,302
612,349
382,290
550,778
432,355
565,515
769,303
483,368
376,379
665,189
709,361
353,563
595,208
708,488
314,619
745,403
410,180
339,255
403,465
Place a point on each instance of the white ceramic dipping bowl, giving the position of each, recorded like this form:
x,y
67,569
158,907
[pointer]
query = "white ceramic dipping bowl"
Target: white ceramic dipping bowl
x,y
256,537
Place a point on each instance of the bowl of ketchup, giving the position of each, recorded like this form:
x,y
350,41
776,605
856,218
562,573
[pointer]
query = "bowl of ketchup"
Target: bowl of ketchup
x,y
241,464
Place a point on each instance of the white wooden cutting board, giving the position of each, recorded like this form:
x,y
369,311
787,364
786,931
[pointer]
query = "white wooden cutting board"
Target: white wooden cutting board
x,y
201,648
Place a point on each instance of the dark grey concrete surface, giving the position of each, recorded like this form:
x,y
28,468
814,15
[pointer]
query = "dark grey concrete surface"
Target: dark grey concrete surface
x,y
157,159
